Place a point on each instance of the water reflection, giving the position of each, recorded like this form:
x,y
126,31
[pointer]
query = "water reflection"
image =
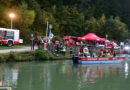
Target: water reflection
x,y
8,76
93,73
61,74
126,69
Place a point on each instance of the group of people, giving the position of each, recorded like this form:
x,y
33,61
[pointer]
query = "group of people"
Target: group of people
x,y
85,51
62,49
107,52
40,42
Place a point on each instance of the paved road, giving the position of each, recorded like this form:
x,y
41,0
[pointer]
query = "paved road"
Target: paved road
x,y
23,49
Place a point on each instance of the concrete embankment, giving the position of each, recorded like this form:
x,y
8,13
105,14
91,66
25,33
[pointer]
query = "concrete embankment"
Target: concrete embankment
x,y
22,49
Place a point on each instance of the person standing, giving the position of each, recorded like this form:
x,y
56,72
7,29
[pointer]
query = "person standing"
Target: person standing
x,y
42,42
64,50
32,42
109,52
71,50
114,53
101,53
57,50
39,42
86,52
81,51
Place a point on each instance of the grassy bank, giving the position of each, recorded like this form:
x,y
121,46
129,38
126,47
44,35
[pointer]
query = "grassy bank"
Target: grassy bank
x,y
13,47
38,55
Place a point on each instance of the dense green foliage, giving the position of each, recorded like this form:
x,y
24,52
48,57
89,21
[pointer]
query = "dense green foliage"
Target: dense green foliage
x,y
38,55
42,55
69,17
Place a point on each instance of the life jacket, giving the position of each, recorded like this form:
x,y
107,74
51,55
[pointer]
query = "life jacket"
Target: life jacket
x,y
108,51
81,50
101,53
64,49
42,41
114,51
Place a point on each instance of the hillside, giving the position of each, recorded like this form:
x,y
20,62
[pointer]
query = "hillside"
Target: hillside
x,y
68,17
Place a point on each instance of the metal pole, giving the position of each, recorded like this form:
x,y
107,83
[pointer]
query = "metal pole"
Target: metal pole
x,y
50,27
106,36
11,23
46,31
128,51
50,30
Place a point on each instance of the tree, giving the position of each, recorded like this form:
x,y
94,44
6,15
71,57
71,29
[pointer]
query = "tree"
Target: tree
x,y
71,22
116,29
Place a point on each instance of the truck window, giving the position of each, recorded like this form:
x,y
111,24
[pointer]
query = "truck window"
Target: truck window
x,y
10,35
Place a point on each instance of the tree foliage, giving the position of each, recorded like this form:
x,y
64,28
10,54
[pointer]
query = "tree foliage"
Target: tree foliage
x,y
68,17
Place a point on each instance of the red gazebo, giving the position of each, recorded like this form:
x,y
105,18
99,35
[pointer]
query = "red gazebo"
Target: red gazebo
x,y
91,37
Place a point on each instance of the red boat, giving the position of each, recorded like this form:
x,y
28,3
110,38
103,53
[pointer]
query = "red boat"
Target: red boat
x,y
98,60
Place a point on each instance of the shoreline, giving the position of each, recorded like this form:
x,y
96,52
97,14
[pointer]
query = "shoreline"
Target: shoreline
x,y
27,56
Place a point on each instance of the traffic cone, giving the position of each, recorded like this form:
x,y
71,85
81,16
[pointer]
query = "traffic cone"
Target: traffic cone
x,y
1,83
45,46
36,45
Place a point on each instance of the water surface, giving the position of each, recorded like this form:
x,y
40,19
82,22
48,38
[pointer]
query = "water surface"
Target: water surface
x,y
63,75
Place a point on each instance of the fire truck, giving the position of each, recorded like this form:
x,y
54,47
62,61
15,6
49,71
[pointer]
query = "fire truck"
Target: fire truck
x,y
10,37
111,44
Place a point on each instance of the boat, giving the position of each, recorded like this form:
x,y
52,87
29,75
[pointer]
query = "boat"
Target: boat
x,y
97,60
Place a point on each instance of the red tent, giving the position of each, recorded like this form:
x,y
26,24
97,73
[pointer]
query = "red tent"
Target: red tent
x,y
102,39
91,37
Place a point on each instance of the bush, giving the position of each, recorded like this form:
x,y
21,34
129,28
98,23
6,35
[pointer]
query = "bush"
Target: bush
x,y
41,55
12,57
2,59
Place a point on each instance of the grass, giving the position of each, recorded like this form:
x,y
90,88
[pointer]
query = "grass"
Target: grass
x,y
13,47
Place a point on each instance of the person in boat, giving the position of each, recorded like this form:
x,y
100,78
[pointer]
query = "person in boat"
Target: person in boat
x,y
114,53
104,52
109,52
101,53
86,52
81,51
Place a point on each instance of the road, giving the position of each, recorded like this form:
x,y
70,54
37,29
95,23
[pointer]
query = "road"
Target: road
x,y
23,49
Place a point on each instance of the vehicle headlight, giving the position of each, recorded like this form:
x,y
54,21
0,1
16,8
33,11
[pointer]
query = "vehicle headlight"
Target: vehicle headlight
x,y
127,48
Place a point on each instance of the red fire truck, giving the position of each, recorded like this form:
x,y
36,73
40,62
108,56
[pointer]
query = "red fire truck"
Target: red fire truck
x,y
10,37
111,44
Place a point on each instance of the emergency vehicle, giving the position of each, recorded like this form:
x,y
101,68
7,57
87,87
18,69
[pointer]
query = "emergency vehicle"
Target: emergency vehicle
x,y
111,44
10,37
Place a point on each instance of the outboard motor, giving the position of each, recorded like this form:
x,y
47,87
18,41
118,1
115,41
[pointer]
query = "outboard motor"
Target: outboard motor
x,y
75,58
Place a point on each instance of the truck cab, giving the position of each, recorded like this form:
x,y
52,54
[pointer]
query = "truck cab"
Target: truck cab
x,y
9,37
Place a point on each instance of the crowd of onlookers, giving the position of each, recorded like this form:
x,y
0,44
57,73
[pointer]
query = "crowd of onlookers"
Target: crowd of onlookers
x,y
61,48
40,42
45,44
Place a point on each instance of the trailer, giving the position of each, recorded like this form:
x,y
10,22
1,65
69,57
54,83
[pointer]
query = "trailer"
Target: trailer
x,y
10,37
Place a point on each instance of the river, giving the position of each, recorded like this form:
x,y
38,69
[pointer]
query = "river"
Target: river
x,y
64,75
